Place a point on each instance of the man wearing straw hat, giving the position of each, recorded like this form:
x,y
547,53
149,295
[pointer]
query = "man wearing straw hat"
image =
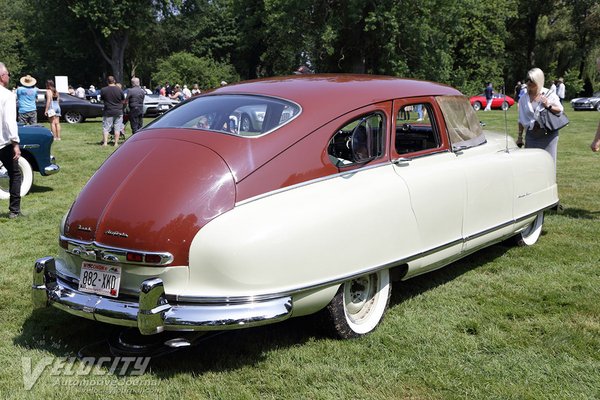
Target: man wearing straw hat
x,y
26,97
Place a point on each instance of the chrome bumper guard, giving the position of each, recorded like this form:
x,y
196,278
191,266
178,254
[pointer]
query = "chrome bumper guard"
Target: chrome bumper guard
x,y
152,313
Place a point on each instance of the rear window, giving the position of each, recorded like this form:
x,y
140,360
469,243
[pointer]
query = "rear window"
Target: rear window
x,y
243,115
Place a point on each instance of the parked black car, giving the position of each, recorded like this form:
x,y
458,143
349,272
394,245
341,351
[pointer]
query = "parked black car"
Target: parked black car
x,y
73,109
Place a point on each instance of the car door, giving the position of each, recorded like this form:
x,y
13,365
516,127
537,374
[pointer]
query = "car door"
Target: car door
x,y
487,168
422,159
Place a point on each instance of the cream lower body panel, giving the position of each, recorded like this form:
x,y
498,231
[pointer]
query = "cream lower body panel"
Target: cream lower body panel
x,y
322,232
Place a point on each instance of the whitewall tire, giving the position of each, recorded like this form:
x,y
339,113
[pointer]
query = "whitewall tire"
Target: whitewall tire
x,y
359,305
26,181
530,235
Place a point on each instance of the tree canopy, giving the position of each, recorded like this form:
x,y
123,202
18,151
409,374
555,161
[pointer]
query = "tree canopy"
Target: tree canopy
x,y
464,44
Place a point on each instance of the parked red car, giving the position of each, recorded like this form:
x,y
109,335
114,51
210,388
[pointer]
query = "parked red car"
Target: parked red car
x,y
499,102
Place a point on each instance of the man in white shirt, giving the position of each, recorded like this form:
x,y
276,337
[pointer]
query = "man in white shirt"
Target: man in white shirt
x,y
9,142
187,93
80,92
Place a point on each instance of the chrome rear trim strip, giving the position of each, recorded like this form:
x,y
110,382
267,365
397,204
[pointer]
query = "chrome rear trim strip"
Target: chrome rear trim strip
x,y
97,252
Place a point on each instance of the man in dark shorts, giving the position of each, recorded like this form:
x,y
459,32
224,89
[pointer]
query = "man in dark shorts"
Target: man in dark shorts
x,y
112,116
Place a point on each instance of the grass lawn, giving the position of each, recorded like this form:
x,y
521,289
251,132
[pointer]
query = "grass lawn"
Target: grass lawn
x,y
504,323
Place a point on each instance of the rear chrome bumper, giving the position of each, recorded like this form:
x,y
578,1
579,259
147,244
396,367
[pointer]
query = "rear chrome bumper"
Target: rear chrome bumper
x,y
152,313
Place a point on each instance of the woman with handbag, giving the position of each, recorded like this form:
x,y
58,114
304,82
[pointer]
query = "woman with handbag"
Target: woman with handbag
x,y
53,108
532,105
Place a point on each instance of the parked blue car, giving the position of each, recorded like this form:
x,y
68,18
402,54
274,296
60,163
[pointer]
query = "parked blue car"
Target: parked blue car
x,y
36,142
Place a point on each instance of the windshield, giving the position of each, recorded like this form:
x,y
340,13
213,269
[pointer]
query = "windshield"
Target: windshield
x,y
244,115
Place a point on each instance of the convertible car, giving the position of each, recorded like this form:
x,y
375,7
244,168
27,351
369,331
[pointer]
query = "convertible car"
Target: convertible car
x,y
587,103
499,102
36,143
319,209
155,104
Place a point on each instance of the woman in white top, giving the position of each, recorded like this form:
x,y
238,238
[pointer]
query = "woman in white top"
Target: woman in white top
x,y
530,104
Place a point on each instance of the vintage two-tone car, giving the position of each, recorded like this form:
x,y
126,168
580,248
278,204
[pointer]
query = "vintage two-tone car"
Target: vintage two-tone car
x,y
36,144
334,197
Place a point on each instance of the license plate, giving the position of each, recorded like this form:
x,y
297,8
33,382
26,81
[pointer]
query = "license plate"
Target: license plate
x,y
100,279
163,107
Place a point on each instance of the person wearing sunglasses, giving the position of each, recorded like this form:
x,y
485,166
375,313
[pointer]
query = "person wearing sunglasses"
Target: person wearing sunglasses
x,y
535,99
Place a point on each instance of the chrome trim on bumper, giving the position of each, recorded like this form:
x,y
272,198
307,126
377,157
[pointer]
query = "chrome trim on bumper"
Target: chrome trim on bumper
x,y
94,251
51,169
153,313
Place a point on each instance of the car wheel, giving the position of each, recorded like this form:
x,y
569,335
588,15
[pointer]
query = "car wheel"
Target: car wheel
x,y
505,105
73,117
246,124
531,234
598,106
477,106
26,179
359,305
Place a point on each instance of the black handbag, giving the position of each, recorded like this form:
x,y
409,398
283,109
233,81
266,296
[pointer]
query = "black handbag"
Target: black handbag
x,y
551,121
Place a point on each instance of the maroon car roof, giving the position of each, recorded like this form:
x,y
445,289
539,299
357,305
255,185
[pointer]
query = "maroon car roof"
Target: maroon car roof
x,y
339,93
322,97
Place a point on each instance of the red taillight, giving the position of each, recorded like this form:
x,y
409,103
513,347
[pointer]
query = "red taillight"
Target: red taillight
x,y
153,258
135,257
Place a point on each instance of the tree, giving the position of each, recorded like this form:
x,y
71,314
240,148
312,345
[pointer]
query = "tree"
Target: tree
x,y
13,40
112,22
185,68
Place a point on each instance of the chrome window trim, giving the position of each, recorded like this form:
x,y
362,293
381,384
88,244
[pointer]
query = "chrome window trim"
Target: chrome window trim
x,y
379,164
310,182
300,109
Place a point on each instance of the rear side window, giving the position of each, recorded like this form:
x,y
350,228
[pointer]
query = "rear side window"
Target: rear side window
x,y
358,142
464,129
415,129
242,115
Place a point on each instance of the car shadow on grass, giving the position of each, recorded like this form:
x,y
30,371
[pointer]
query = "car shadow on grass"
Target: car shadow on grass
x,y
62,335
40,189
580,213
405,290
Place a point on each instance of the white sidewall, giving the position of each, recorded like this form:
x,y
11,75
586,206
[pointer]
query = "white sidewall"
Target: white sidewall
x,y
380,305
26,182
